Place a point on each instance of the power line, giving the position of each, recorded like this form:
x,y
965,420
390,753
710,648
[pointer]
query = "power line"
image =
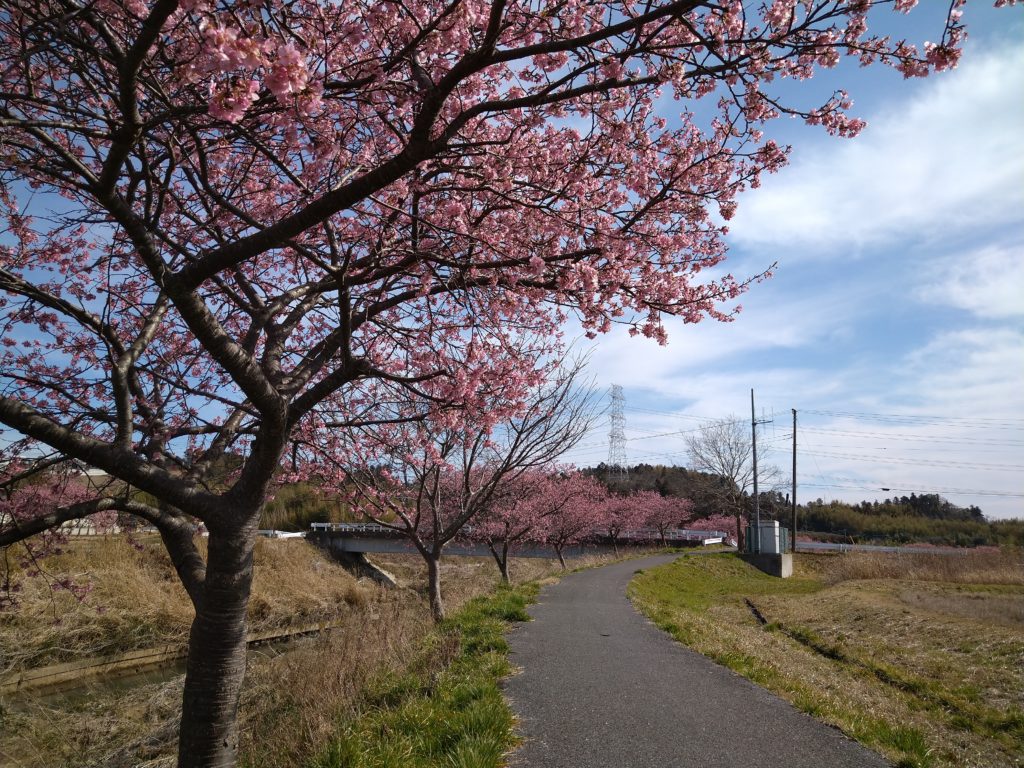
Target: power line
x,y
948,491
603,445
951,448
931,463
919,438
711,419
1002,422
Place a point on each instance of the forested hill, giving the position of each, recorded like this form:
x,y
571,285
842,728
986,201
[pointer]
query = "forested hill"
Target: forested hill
x,y
706,491
927,518
929,505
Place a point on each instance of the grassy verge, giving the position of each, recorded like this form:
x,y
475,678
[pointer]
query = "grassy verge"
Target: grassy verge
x,y
446,709
926,670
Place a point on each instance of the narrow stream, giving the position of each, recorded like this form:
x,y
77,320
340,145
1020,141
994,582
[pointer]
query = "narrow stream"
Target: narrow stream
x,y
77,693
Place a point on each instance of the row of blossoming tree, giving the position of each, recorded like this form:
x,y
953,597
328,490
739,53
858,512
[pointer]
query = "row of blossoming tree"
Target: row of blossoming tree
x,y
230,229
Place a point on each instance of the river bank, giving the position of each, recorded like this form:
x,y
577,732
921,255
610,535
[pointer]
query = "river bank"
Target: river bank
x,y
294,696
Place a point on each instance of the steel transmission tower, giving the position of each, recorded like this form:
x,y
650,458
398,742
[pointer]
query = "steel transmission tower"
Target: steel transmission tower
x,y
617,435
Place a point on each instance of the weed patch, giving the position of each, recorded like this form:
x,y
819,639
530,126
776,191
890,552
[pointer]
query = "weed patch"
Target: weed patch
x,y
446,712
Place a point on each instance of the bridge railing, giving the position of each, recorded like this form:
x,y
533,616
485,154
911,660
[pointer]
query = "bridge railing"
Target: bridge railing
x,y
633,534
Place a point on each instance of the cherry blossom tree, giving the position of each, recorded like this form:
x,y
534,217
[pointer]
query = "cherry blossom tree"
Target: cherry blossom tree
x,y
516,514
554,506
574,505
30,492
220,217
724,523
620,514
432,478
664,512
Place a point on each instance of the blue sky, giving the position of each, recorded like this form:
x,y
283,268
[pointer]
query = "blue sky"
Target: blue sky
x,y
895,321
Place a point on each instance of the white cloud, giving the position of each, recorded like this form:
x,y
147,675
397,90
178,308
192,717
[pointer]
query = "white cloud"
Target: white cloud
x,y
773,319
973,372
958,396
947,161
950,421
988,281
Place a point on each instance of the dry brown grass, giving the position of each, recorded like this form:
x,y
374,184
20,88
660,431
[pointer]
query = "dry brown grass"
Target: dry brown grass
x,y
295,584
981,605
294,696
929,653
982,566
136,600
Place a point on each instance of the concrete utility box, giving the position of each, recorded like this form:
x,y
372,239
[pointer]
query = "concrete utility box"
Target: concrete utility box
x,y
770,538
768,551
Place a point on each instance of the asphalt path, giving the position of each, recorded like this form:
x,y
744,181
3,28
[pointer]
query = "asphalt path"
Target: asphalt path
x,y
601,687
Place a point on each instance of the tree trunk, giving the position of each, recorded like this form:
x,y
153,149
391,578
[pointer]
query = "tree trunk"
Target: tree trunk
x,y
561,560
739,532
503,564
501,558
216,655
434,587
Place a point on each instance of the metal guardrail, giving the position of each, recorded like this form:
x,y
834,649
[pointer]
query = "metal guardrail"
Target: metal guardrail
x,y
354,528
643,534
275,534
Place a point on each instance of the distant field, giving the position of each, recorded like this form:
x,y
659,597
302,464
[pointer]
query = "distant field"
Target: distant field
x,y
920,657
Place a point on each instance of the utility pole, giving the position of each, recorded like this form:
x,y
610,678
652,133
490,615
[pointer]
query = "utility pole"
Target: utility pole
x,y
757,498
792,536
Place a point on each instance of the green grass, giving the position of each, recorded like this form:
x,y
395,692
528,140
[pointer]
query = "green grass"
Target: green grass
x,y
703,602
447,709
695,583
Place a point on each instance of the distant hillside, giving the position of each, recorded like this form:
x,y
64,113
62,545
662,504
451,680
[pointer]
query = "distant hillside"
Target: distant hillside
x,y
928,518
925,518
704,490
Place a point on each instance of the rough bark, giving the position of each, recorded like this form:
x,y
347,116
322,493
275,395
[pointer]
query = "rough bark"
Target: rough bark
x,y
434,587
216,656
503,566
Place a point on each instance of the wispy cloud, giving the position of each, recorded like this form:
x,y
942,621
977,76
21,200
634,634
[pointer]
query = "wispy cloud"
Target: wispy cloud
x,y
986,281
947,161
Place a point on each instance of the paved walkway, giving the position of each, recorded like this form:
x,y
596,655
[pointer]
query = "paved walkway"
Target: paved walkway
x,y
602,687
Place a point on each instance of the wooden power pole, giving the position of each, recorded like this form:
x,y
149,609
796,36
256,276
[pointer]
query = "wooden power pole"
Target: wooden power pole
x,y
792,533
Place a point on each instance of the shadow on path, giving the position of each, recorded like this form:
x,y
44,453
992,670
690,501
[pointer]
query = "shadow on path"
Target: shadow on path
x,y
602,687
